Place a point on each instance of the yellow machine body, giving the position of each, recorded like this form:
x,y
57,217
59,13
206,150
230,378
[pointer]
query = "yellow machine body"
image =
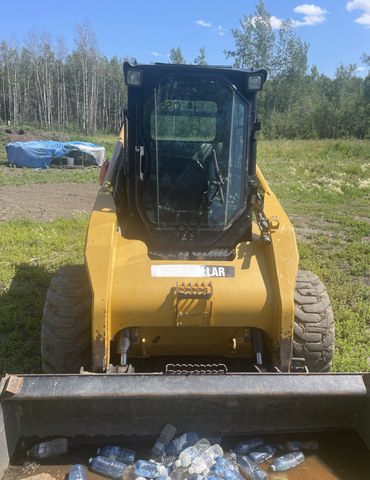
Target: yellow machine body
x,y
128,291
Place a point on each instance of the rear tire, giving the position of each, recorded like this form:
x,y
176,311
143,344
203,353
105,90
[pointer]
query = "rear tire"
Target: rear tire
x,y
66,322
313,323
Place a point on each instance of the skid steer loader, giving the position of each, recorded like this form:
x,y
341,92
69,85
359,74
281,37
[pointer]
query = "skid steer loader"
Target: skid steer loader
x,y
190,307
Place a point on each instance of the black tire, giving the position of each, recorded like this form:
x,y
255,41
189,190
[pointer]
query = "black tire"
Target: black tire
x,y
66,322
313,323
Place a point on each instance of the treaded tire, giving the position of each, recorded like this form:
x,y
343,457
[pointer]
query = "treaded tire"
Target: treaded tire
x,y
66,322
313,323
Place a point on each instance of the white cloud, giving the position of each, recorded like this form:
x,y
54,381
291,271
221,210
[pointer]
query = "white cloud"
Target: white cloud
x,y
364,18
220,30
360,69
312,15
156,54
275,22
203,23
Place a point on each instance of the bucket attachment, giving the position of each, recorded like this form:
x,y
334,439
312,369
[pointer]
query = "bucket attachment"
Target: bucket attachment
x,y
88,407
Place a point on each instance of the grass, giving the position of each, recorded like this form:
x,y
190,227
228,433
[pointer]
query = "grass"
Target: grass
x,y
30,254
324,187
327,196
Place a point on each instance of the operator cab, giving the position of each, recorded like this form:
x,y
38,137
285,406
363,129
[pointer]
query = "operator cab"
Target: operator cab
x,y
190,154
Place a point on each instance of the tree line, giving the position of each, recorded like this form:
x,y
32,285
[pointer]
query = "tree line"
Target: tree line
x,y
44,85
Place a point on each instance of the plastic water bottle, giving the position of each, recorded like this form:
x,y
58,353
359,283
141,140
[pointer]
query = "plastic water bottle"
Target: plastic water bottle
x,y
263,453
228,470
296,446
108,467
206,459
188,455
180,473
231,457
129,472
49,449
165,437
167,459
243,448
213,471
179,444
251,468
77,472
152,469
286,462
120,454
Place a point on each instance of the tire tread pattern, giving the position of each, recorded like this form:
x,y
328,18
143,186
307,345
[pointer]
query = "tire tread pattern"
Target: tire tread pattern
x,y
66,322
313,323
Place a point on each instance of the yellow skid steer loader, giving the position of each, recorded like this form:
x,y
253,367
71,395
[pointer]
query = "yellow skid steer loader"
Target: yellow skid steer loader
x,y
190,308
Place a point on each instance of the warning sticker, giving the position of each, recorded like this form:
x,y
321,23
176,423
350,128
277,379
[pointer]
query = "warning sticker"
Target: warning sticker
x,y
193,271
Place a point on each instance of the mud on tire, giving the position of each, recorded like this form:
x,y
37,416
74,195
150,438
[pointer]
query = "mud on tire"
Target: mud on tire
x,y
66,322
313,323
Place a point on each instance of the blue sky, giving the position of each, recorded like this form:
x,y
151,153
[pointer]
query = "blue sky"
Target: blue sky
x,y
337,30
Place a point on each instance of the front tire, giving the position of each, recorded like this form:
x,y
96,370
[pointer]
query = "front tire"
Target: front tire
x,y
66,322
313,323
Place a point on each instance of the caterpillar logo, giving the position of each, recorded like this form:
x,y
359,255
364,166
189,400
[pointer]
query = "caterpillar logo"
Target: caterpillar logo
x,y
186,271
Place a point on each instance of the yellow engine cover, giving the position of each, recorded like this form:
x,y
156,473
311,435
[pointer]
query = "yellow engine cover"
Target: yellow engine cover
x,y
191,307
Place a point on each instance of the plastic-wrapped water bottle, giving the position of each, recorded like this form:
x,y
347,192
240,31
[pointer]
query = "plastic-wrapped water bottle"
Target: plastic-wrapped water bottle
x,y
206,459
165,437
177,445
231,457
251,468
296,446
243,448
77,472
188,455
228,470
49,449
152,469
167,459
286,462
263,453
108,467
120,454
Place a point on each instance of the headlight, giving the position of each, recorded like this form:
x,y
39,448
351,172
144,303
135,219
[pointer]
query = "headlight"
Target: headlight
x,y
254,82
134,78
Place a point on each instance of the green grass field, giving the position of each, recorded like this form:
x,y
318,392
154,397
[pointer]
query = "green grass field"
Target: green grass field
x,y
324,187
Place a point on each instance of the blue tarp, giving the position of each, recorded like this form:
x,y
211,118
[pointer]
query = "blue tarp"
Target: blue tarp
x,y
40,154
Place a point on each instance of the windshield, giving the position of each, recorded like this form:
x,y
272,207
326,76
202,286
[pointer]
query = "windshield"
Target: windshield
x,y
195,140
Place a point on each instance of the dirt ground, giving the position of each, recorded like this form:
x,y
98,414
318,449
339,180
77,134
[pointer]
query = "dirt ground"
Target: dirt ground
x,y
46,202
